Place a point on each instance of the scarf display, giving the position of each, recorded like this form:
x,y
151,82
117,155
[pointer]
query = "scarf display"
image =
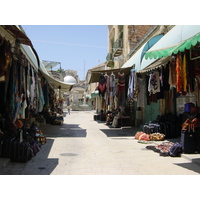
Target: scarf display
x,y
102,85
178,74
121,89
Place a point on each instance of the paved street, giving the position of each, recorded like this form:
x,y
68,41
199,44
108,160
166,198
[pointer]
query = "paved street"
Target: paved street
x,y
82,146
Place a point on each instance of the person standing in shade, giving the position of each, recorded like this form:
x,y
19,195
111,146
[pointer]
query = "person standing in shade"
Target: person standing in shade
x,y
68,109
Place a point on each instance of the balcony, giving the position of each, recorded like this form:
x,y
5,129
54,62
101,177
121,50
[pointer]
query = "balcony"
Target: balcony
x,y
118,47
109,59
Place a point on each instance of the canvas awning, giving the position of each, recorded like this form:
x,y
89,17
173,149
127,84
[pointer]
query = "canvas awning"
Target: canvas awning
x,y
38,65
18,34
56,83
178,39
137,58
65,87
96,74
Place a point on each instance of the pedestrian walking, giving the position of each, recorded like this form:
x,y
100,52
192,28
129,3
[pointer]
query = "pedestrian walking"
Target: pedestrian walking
x,y
68,109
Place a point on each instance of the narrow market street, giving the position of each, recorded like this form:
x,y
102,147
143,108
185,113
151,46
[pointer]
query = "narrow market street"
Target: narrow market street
x,y
82,146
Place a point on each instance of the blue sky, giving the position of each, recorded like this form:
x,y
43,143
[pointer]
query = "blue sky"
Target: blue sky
x,y
75,46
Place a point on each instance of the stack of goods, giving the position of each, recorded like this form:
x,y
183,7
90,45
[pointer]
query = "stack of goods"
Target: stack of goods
x,y
151,128
20,143
167,149
190,136
169,125
40,137
40,119
156,136
140,135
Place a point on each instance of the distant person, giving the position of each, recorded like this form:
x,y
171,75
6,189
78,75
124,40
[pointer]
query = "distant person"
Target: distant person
x,y
68,109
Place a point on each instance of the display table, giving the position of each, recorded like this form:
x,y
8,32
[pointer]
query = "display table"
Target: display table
x,y
120,121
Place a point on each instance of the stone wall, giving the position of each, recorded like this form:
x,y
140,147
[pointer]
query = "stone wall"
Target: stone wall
x,y
136,33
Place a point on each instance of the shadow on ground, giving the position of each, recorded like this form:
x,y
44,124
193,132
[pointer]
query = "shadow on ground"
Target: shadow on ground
x,y
121,132
64,130
38,165
191,166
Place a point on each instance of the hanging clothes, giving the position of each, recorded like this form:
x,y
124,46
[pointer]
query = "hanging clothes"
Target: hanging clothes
x,y
107,93
112,90
131,85
41,101
197,90
121,89
112,85
172,72
121,82
136,87
178,74
184,74
102,85
141,94
32,85
154,83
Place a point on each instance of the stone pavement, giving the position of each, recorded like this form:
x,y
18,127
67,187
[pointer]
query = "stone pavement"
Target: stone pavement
x,y
82,146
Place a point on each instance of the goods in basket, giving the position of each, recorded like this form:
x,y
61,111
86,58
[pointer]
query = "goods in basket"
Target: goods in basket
x,y
40,137
144,136
157,136
137,135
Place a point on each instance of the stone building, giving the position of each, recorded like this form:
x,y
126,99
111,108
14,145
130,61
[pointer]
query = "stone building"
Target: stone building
x,y
125,40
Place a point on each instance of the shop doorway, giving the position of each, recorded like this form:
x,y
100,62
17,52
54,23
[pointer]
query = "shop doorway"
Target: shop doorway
x,y
152,111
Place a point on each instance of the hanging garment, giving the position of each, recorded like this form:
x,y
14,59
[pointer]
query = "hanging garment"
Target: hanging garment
x,y
154,83
197,90
102,86
112,85
178,74
135,88
121,82
165,70
41,101
141,94
23,108
131,85
184,74
107,93
5,59
32,84
121,90
172,73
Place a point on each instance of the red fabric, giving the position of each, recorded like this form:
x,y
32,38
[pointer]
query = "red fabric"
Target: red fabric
x,y
178,74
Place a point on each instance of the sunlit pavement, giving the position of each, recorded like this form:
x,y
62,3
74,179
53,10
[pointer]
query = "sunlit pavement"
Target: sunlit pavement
x,y
82,146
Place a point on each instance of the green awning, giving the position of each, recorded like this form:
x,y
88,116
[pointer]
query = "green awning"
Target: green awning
x,y
95,94
187,44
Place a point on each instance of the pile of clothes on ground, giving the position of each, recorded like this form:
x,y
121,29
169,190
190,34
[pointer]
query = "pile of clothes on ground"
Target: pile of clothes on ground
x,y
164,149
167,149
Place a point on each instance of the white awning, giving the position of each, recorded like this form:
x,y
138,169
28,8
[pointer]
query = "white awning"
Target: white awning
x,y
28,52
30,56
56,83
135,59
138,57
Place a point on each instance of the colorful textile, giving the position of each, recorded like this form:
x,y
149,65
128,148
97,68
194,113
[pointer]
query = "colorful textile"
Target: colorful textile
x,y
121,89
172,73
131,85
112,85
102,86
184,74
178,74
154,83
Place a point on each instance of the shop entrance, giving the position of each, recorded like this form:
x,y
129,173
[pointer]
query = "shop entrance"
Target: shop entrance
x,y
152,111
